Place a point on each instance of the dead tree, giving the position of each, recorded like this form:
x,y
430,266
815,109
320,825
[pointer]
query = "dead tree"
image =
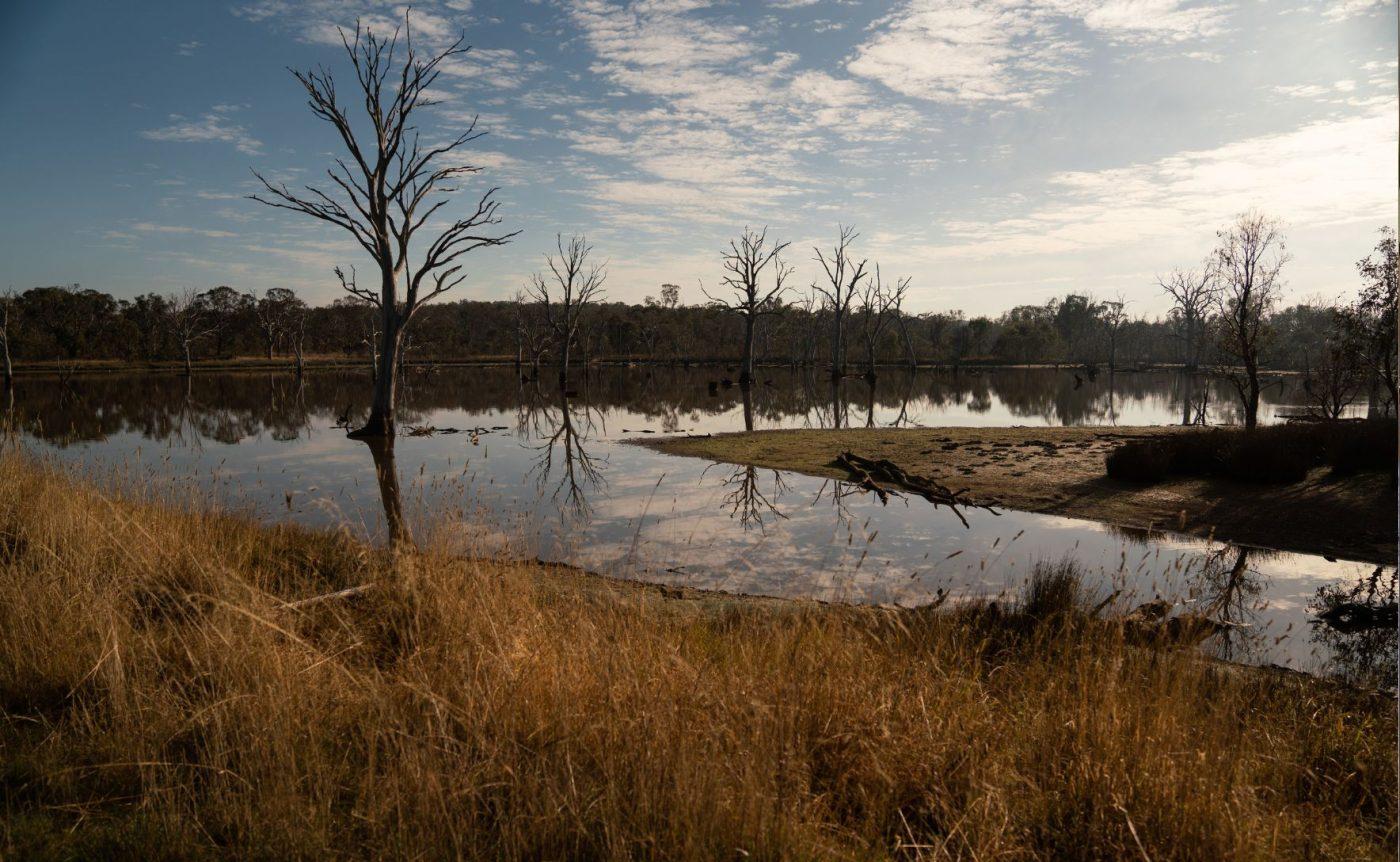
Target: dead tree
x,y
745,262
876,300
273,312
905,335
390,189
189,323
844,277
295,329
1334,379
1113,316
7,320
576,283
1193,294
1246,264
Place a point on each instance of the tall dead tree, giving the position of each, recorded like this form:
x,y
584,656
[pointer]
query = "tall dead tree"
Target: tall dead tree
x,y
7,321
1247,261
745,262
1193,293
877,299
392,185
844,277
189,322
273,311
1114,316
572,284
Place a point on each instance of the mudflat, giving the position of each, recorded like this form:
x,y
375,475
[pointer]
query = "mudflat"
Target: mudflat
x,y
1060,471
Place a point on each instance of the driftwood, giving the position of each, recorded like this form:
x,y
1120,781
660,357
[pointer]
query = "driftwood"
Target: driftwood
x,y
885,477
327,597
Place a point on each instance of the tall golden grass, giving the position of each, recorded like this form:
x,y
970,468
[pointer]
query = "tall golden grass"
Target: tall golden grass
x,y
158,702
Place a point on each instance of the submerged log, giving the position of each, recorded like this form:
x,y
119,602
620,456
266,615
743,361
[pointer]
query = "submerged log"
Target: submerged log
x,y
884,477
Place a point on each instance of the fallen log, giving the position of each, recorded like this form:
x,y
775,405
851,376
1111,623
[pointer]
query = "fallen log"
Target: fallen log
x,y
884,477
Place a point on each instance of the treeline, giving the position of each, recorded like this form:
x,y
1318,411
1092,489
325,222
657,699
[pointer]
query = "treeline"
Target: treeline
x,y
75,323
68,323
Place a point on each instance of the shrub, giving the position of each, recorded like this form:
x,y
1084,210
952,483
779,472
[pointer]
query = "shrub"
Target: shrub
x,y
1279,454
1144,461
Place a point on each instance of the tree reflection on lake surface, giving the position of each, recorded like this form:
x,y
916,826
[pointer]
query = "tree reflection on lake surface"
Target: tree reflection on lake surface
x,y
504,463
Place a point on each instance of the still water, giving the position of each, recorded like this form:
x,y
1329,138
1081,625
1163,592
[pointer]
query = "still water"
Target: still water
x,y
531,472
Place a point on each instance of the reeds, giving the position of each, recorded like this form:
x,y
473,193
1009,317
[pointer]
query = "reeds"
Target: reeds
x,y
157,701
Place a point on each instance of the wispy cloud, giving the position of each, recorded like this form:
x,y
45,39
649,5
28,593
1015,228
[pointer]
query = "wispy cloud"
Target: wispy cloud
x,y
214,126
148,227
1011,51
1324,173
187,49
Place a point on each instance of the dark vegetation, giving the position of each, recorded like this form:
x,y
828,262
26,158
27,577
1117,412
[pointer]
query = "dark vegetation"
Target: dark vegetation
x,y
1280,454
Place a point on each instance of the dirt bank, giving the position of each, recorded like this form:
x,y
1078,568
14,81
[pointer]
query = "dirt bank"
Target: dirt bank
x,y
1060,471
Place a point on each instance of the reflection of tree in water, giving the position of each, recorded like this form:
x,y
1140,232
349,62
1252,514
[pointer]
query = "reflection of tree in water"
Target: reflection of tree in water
x,y
386,475
1227,590
234,406
1363,651
563,454
747,502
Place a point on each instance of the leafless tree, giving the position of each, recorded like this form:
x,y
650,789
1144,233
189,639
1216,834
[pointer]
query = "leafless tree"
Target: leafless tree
x,y
745,262
1247,261
1193,294
877,299
1114,316
573,283
390,189
273,311
189,323
844,277
1334,378
7,322
294,328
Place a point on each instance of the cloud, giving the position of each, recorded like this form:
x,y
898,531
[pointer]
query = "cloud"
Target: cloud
x,y
214,126
148,227
1325,173
1011,51
1344,9
187,49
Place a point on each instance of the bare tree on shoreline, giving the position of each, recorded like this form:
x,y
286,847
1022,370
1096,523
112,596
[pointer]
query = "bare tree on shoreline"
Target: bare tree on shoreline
x,y
187,321
578,283
844,275
394,186
877,301
1192,292
1247,262
7,306
745,262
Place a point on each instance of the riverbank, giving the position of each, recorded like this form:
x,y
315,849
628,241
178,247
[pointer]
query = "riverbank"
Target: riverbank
x,y
160,699
1060,471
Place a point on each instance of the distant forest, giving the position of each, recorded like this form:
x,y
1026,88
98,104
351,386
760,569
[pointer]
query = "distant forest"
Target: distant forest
x,y
69,323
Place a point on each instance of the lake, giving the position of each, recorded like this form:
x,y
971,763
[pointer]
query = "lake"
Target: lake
x,y
533,473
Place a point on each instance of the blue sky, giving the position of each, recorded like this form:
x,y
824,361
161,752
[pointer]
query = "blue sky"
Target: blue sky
x,y
998,152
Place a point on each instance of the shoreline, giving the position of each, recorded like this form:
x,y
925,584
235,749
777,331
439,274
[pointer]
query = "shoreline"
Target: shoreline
x,y
1060,471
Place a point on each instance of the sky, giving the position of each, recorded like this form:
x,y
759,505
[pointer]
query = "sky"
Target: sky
x,y
998,152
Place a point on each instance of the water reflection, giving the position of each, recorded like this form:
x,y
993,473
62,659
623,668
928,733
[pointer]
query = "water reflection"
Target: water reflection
x,y
545,476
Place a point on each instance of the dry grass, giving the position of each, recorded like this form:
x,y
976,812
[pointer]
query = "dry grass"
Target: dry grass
x,y
156,703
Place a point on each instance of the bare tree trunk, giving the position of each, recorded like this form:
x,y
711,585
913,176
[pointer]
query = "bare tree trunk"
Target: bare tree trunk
x,y
1251,402
564,363
746,366
8,368
908,340
189,365
386,378
838,345
748,407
